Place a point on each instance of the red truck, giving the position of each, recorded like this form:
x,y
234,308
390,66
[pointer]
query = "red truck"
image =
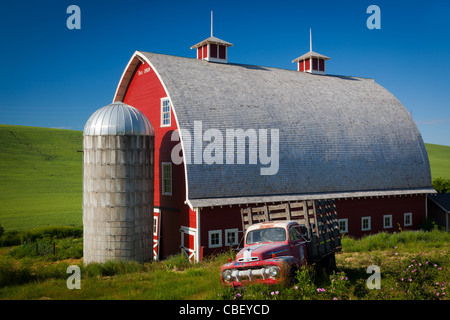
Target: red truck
x,y
276,248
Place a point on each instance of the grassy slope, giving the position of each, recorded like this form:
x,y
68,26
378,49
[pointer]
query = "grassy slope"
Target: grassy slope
x,y
40,177
439,160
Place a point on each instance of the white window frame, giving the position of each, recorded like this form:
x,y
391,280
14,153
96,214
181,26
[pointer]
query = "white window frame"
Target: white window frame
x,y
163,180
236,241
345,222
369,227
155,225
210,235
390,221
163,100
405,218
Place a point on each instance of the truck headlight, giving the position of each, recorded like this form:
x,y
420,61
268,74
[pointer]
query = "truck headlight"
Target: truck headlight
x,y
226,275
274,272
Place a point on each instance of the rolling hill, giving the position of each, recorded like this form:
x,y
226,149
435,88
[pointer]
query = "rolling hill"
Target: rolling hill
x,y
41,176
439,160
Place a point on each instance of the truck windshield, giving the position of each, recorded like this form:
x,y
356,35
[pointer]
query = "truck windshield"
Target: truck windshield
x,y
266,235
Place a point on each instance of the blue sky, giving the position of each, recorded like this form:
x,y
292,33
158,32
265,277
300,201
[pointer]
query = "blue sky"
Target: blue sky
x,y
55,77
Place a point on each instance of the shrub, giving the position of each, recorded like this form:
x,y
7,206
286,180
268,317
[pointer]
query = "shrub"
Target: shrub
x,y
14,237
441,185
177,262
14,273
67,248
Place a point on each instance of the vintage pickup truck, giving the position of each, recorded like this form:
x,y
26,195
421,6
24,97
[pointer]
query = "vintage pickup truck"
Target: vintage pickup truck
x,y
276,248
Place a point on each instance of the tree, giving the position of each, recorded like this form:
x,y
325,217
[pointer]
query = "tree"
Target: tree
x,y
441,185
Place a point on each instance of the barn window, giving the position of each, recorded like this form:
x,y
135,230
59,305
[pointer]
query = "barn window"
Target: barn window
x,y
321,65
315,64
407,219
167,178
365,224
155,225
215,238
387,221
213,50
222,52
231,237
343,225
165,112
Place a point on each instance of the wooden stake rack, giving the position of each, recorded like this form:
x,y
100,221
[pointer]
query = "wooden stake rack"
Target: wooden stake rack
x,y
317,216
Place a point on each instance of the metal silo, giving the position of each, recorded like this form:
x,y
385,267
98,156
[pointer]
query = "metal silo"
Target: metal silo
x,y
118,145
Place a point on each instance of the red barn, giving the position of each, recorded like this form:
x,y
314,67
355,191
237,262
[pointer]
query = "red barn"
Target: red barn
x,y
228,136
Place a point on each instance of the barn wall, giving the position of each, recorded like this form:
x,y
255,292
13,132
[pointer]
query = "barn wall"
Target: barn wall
x,y
144,93
218,218
375,207
227,217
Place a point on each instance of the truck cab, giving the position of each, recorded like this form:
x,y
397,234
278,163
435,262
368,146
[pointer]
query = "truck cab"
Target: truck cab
x,y
272,252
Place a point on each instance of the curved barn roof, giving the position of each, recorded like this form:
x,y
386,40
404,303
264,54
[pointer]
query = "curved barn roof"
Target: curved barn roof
x,y
118,119
338,136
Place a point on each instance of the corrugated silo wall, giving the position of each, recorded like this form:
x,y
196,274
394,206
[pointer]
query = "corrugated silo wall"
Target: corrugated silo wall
x,y
118,198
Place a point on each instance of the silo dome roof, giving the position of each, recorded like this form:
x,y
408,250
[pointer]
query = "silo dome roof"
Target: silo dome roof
x,y
118,118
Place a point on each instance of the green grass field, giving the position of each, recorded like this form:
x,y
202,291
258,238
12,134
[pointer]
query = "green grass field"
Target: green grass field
x,y
41,176
439,160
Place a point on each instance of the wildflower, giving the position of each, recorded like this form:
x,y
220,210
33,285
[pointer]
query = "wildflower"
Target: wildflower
x,y
334,298
296,287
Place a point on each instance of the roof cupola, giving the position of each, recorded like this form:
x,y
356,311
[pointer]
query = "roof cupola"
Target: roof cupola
x,y
212,49
311,62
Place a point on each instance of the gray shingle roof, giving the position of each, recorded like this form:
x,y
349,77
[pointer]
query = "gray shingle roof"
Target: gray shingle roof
x,y
442,200
338,136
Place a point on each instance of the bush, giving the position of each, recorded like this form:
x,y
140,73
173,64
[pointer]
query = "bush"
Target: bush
x,y
14,237
441,185
177,262
68,248
112,268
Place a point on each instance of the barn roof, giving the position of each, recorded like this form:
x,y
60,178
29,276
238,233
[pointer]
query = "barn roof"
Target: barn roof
x,y
442,200
311,54
338,136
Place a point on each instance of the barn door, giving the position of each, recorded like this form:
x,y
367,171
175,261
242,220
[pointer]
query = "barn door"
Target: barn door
x,y
187,245
156,233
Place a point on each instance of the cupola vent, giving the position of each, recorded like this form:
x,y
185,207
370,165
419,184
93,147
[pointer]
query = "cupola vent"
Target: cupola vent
x,y
212,49
311,62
